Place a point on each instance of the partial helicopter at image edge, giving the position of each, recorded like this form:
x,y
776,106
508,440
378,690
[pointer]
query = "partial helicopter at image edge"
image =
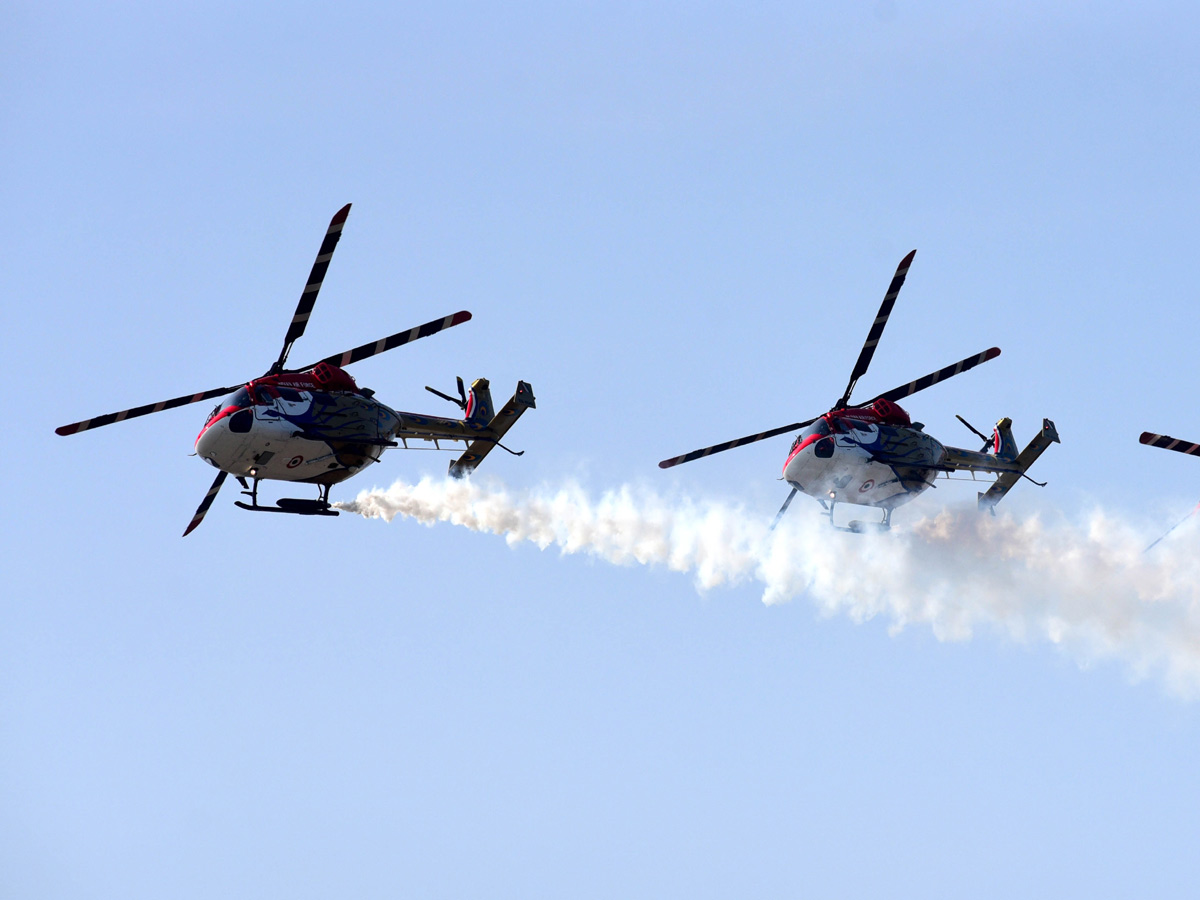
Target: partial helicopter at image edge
x,y
315,425
874,455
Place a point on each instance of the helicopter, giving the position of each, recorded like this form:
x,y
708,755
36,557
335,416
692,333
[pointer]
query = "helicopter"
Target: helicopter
x,y
315,425
872,454
1170,443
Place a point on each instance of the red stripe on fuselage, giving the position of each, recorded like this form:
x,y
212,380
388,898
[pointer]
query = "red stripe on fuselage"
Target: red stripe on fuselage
x,y
811,439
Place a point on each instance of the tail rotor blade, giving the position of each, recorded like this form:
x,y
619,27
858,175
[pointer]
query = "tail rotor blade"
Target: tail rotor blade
x,y
933,378
729,445
316,277
202,510
783,509
1169,443
881,320
462,404
392,341
987,441
124,414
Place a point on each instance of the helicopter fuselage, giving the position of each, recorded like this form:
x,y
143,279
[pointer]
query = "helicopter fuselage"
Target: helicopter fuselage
x,y
298,427
319,427
870,456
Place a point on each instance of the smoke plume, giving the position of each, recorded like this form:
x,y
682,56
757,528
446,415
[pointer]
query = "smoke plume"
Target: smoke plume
x,y
1087,587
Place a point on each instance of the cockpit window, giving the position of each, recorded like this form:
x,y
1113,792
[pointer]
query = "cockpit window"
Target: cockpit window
x,y
241,399
241,421
292,396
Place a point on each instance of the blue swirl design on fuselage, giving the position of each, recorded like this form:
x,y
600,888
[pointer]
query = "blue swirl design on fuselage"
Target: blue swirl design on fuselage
x,y
911,454
355,428
339,417
863,435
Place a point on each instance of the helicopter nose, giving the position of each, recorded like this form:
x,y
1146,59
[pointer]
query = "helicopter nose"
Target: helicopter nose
x,y
807,464
223,437
796,462
210,438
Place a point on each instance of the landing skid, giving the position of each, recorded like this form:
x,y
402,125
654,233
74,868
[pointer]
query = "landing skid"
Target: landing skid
x,y
857,527
292,505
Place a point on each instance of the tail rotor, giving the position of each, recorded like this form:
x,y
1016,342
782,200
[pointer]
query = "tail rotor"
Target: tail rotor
x,y
987,441
460,401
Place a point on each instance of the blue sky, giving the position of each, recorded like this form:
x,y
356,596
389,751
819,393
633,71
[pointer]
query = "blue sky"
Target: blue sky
x,y
676,222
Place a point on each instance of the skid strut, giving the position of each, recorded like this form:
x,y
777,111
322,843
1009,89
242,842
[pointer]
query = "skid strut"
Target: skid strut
x,y
293,505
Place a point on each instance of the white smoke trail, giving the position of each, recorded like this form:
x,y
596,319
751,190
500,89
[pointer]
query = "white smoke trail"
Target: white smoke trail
x,y
1087,588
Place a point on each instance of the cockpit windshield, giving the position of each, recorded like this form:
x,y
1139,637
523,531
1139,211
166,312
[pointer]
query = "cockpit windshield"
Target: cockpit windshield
x,y
819,427
240,399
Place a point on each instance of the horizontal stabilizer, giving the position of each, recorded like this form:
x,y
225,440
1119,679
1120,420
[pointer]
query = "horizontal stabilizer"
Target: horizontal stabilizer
x,y
479,448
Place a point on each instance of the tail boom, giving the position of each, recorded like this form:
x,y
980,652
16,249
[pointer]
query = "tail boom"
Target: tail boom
x,y
1003,461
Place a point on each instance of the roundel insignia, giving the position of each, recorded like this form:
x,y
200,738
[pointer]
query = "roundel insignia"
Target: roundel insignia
x,y
866,485
295,461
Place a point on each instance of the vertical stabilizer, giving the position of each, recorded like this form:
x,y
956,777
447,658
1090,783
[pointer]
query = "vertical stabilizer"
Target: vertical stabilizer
x,y
479,403
1004,445
1004,482
496,428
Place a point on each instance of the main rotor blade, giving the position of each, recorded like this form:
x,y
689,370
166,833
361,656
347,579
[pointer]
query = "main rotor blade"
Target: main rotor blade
x,y
1169,443
1195,509
881,320
783,509
124,414
940,375
308,296
729,445
391,341
202,510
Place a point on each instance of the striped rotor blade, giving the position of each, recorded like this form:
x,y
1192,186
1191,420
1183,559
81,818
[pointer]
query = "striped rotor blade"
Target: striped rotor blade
x,y
309,296
392,341
202,510
940,375
876,332
124,414
783,509
729,445
1169,443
